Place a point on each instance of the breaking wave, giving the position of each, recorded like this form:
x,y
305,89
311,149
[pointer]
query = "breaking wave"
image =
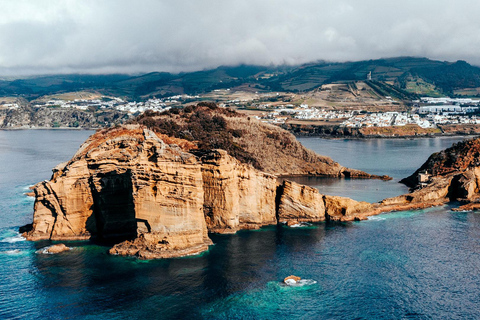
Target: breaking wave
x,y
301,283
12,239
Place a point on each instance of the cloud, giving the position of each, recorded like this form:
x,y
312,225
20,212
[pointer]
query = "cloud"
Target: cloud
x,y
47,36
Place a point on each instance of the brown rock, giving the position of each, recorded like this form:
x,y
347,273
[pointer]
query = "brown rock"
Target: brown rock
x,y
57,248
237,196
156,246
292,277
346,209
474,206
299,203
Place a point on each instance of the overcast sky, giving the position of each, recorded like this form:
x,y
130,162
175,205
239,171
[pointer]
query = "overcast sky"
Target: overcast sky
x,y
48,36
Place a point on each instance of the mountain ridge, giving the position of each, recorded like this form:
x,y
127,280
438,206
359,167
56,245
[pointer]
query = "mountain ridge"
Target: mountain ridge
x,y
411,74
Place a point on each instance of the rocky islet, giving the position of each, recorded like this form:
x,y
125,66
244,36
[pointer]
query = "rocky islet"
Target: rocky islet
x,y
155,197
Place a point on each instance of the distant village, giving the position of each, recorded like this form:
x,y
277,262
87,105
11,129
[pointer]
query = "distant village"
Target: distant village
x,y
114,103
426,112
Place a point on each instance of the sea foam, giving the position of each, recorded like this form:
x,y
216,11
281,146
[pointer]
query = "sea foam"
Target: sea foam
x,y
301,283
16,238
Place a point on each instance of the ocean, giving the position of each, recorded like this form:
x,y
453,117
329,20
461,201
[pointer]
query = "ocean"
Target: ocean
x,y
421,264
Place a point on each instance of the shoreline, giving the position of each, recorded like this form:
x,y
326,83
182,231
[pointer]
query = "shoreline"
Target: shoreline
x,y
313,135
49,128
345,137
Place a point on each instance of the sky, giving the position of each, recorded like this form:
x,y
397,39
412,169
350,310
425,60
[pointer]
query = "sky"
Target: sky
x,y
118,36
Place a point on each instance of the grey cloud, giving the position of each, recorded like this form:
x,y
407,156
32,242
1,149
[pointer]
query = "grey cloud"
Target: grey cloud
x,y
87,36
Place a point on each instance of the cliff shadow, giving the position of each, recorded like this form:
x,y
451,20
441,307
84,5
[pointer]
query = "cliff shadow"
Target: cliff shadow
x,y
114,208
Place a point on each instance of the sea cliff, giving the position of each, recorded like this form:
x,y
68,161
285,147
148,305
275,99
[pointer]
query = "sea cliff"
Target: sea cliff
x,y
144,190
159,195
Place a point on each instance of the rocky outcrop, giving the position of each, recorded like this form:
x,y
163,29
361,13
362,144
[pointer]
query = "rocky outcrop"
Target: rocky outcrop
x,y
51,117
150,193
123,184
346,209
266,147
236,195
157,199
299,203
57,248
458,158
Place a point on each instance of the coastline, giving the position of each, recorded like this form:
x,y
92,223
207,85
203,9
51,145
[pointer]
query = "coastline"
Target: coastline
x,y
296,134
371,137
50,128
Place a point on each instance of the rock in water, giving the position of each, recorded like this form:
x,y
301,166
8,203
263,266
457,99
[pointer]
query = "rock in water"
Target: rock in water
x,y
57,248
291,279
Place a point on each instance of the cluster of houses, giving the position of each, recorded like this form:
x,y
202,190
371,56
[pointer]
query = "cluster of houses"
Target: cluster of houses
x,y
9,106
117,104
304,112
386,119
431,112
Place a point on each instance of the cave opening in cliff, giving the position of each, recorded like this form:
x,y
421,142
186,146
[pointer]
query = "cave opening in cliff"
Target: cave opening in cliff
x,y
114,207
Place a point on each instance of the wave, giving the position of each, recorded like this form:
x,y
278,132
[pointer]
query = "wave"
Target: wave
x,y
43,250
376,218
15,251
301,283
13,239
300,225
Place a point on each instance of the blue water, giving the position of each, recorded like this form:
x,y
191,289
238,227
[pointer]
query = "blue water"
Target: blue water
x,y
397,158
406,265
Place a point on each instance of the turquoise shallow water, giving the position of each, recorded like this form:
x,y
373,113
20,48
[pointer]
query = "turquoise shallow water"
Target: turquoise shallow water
x,y
406,265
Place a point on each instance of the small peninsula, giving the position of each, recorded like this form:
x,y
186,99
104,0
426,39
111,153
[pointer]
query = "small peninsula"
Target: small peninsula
x,y
159,185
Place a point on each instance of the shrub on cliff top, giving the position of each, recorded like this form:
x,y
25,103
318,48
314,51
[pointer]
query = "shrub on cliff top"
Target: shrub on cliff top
x,y
203,124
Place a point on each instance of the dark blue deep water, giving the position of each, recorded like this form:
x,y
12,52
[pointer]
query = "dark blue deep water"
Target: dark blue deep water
x,y
407,265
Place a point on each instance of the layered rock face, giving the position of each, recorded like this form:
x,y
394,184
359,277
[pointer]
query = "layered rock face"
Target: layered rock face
x,y
125,185
128,184
156,199
236,195
145,191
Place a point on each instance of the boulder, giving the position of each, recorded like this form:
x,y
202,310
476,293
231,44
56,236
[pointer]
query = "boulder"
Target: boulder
x,y
57,248
291,279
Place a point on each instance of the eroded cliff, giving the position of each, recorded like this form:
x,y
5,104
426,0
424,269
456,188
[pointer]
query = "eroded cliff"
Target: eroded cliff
x,y
158,196
154,197
126,184
266,147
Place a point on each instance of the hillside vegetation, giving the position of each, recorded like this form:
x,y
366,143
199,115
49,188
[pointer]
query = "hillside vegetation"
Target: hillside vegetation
x,y
266,147
400,77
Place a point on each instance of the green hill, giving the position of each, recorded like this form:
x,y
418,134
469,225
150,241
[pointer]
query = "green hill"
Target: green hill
x,y
398,77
